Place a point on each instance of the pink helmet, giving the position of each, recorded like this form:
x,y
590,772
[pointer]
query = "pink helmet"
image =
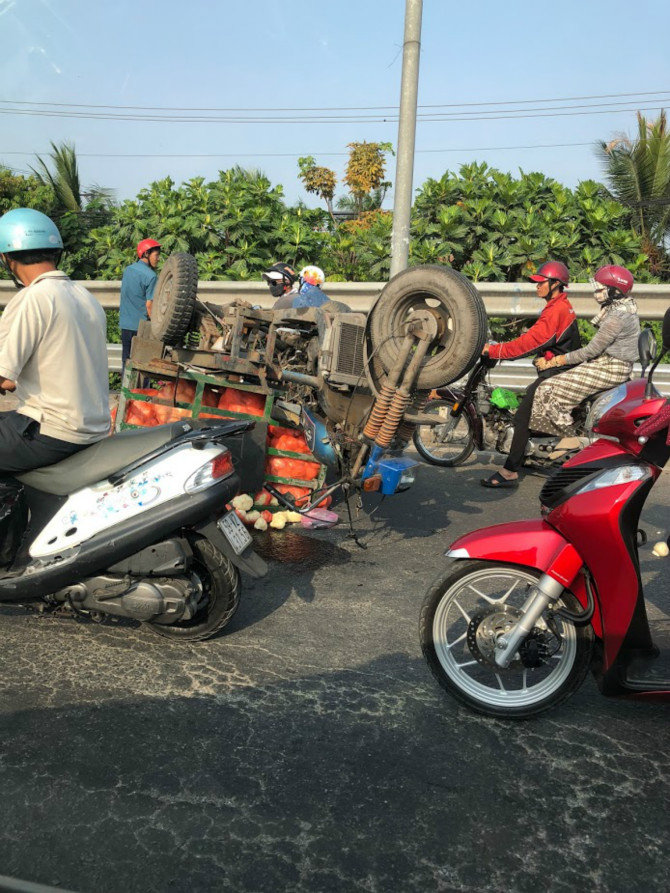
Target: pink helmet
x,y
146,245
615,277
553,269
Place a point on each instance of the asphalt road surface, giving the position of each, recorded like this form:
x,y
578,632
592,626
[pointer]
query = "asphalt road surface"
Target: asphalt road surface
x,y
307,748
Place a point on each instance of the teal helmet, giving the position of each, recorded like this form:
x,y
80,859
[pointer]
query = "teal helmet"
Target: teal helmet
x,y
24,229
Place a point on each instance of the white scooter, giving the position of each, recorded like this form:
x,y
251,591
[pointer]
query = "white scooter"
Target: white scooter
x,y
135,526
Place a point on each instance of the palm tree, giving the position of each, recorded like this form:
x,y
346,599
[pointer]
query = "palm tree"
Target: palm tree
x,y
64,180
638,174
65,177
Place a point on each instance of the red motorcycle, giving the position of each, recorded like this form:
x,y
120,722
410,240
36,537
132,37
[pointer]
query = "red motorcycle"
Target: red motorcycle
x,y
528,607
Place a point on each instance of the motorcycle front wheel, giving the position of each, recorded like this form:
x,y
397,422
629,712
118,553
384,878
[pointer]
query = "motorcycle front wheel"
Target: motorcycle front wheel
x,y
220,595
468,609
449,443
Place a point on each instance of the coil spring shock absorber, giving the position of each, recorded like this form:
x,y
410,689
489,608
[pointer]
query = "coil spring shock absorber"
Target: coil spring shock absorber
x,y
393,418
388,389
379,410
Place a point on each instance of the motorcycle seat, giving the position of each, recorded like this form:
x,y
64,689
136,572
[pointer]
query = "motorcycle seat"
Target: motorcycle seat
x,y
101,459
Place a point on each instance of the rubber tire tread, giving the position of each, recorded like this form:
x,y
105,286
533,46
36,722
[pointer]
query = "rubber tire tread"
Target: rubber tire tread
x,y
172,312
425,453
225,584
580,668
464,305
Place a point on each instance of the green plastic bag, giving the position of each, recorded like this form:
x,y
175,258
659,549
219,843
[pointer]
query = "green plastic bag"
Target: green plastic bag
x,y
504,399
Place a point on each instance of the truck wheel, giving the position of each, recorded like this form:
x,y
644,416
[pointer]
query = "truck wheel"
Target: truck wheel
x,y
460,311
174,298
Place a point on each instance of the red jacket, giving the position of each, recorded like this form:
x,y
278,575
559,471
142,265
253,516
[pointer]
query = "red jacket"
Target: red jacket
x,y
555,331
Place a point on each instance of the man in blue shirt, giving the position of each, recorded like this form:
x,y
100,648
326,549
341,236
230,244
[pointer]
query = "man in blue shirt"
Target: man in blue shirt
x,y
137,291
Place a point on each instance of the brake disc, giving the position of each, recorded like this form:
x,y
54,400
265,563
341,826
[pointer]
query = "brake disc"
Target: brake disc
x,y
484,630
489,624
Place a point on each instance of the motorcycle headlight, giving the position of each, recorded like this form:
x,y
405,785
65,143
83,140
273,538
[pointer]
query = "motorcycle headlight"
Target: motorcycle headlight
x,y
626,474
604,403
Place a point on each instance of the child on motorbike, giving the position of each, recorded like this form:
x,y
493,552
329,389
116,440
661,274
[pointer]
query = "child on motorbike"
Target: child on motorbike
x,y
554,331
606,361
291,290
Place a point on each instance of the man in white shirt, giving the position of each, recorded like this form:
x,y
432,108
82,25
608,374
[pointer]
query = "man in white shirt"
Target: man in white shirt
x,y
53,351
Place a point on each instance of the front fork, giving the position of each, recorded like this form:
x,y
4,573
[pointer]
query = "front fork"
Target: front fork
x,y
548,590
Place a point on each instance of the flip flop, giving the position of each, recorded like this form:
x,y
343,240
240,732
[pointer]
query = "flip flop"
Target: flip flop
x,y
498,482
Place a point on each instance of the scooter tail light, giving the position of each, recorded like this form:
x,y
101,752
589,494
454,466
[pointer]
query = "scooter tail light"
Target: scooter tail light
x,y
207,475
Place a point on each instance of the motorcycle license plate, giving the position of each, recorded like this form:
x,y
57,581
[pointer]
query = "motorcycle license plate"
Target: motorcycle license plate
x,y
235,532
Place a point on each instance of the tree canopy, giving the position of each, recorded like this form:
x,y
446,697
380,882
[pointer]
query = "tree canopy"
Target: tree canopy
x,y
489,224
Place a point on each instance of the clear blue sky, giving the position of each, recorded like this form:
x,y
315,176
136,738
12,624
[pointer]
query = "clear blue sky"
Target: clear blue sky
x,y
311,54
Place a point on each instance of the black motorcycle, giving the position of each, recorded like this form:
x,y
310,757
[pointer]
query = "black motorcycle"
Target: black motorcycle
x,y
479,416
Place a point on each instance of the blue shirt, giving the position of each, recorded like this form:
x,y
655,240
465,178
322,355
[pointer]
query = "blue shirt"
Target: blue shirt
x,y
137,287
310,296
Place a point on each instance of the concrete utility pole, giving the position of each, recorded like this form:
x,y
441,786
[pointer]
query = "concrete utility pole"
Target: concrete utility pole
x,y
404,170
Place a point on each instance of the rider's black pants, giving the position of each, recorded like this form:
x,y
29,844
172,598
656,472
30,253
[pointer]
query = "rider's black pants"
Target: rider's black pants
x,y
23,447
521,432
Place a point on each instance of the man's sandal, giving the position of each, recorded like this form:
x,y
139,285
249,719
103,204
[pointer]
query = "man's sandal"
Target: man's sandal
x,y
498,482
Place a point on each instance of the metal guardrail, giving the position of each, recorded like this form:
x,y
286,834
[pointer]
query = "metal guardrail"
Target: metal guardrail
x,y
515,375
504,299
518,374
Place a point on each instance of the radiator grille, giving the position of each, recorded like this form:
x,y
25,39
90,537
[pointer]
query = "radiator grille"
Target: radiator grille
x,y
563,483
350,353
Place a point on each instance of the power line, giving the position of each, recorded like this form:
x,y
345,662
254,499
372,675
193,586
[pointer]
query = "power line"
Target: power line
x,y
330,108
427,117
300,154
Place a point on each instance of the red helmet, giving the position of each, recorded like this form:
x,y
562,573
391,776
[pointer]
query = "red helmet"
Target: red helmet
x,y
146,245
615,277
553,269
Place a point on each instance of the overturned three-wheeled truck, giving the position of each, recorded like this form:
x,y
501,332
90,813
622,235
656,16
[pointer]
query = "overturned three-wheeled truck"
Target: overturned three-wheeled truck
x,y
351,385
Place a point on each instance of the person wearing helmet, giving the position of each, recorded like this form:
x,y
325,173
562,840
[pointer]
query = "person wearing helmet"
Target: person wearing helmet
x,y
553,334
282,280
311,279
137,292
53,351
605,362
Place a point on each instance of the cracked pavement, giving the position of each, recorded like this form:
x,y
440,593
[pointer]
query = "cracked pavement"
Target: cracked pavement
x,y
308,748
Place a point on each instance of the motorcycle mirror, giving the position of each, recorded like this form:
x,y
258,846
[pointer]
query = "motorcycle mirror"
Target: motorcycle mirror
x,y
646,348
665,340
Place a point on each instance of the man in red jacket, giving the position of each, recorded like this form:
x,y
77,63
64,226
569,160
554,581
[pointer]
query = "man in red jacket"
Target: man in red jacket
x,y
555,332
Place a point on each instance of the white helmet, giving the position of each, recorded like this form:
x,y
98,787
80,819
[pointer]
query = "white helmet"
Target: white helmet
x,y
312,275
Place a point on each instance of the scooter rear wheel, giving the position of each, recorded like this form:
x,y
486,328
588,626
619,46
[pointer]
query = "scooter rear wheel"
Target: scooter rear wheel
x,y
447,444
220,582
464,613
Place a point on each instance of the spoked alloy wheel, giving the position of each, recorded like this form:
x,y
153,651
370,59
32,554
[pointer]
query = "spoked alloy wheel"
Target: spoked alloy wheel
x,y
449,443
463,615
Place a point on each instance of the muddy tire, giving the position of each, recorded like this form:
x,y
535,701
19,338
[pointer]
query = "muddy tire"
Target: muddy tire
x,y
456,302
174,298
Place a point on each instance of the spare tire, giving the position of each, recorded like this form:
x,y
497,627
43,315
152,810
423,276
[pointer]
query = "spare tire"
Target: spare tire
x,y
462,322
174,298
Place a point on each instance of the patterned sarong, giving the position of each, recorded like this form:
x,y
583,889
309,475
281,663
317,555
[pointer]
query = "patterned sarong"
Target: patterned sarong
x,y
558,396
